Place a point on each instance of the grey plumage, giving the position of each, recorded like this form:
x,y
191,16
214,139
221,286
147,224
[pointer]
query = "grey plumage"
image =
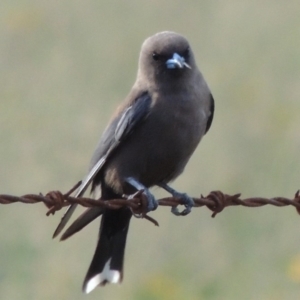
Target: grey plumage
x,y
148,142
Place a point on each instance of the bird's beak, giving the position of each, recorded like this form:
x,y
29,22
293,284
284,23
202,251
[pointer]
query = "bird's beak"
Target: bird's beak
x,y
177,62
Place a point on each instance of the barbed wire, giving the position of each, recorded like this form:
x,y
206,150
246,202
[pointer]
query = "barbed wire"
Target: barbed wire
x,y
216,201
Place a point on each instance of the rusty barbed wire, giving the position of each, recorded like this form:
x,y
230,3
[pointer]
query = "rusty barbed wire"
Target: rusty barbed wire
x,y
216,201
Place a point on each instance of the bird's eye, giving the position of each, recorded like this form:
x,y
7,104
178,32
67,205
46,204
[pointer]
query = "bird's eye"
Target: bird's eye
x,y
186,53
155,56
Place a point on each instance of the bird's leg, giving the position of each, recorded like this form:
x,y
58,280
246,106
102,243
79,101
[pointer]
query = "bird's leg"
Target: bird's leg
x,y
187,201
152,202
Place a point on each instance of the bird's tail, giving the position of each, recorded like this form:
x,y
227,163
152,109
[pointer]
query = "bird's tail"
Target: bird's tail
x,y
107,263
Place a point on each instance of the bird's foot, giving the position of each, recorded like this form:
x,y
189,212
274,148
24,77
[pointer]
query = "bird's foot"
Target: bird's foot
x,y
147,203
187,201
152,202
144,193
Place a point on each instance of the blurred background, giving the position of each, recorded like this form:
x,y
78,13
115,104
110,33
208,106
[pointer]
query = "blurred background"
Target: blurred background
x,y
66,65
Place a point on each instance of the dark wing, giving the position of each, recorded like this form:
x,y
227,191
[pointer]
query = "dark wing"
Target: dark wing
x,y
211,116
116,132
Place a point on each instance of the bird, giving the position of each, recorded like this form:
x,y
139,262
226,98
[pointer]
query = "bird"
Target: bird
x,y
148,142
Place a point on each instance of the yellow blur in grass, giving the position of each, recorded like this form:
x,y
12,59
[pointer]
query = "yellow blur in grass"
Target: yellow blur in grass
x,y
161,286
293,271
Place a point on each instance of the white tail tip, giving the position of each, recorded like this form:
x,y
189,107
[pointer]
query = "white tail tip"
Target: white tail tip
x,y
106,276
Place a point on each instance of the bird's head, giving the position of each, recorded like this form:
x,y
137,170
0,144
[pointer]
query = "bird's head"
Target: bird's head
x,y
166,55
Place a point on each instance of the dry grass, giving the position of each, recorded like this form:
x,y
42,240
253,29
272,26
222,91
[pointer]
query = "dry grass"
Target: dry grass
x,y
64,66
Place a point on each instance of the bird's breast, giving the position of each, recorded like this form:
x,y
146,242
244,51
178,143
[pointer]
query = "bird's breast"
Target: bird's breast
x,y
160,147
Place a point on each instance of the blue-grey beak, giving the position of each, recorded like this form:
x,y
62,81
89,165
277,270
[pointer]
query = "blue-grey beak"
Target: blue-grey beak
x,y
177,62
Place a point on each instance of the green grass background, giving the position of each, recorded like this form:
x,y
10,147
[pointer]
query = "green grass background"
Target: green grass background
x,y
65,66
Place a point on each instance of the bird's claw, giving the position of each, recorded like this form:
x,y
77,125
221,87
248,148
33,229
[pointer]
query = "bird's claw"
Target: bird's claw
x,y
148,202
143,192
152,202
188,202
